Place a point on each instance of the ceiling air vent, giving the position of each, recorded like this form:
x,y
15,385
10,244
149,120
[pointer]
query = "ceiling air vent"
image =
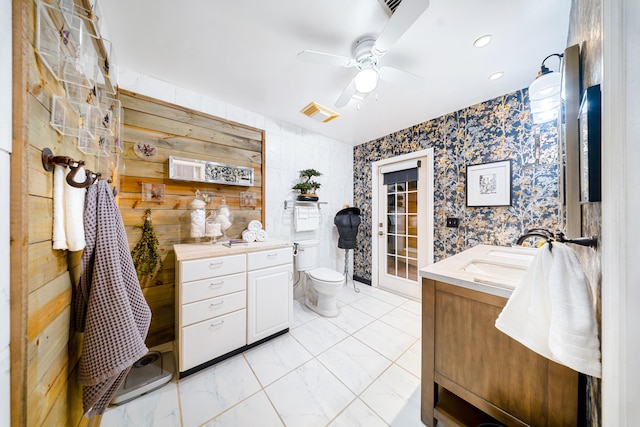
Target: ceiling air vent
x,y
319,112
390,6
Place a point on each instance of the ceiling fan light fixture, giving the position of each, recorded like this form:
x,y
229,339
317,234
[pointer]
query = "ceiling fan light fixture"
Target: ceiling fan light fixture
x,y
366,80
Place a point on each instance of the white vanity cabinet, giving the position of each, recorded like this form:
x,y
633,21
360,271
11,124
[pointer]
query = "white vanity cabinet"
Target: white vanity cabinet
x,y
228,299
269,292
211,308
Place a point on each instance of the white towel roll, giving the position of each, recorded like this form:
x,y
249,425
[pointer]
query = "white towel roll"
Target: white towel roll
x,y
249,236
261,236
254,225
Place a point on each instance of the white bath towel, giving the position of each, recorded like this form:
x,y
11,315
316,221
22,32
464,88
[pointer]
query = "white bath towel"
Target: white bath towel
x,y
74,205
551,311
261,236
59,220
249,236
68,210
254,225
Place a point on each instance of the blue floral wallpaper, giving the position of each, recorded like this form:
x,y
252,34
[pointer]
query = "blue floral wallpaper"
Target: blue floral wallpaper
x,y
497,129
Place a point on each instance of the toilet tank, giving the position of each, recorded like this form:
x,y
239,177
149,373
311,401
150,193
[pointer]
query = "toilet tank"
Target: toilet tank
x,y
307,257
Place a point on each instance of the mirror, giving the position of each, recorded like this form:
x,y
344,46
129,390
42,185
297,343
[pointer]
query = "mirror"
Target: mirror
x,y
569,143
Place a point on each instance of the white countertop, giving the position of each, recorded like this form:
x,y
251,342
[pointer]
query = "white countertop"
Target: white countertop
x,y
185,252
494,270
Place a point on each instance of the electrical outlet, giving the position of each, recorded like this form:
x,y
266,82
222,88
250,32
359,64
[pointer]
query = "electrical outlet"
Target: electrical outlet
x,y
453,222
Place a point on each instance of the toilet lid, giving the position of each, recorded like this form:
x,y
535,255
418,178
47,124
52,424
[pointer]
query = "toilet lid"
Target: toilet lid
x,y
325,275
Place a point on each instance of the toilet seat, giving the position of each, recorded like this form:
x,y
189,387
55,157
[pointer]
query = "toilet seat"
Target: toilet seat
x,y
326,275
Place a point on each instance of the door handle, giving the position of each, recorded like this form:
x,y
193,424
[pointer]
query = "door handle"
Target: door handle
x,y
380,233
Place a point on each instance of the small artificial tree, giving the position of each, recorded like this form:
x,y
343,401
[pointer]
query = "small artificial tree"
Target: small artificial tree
x,y
308,184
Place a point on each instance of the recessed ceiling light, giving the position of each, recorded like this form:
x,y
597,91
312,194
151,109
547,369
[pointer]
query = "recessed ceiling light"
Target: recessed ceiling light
x,y
496,76
483,41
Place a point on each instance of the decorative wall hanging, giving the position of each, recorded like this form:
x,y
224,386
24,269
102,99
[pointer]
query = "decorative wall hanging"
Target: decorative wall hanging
x,y
204,171
489,184
248,198
146,150
152,192
146,255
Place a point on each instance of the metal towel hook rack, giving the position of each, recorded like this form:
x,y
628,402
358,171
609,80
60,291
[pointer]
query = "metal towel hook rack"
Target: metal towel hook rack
x,y
49,161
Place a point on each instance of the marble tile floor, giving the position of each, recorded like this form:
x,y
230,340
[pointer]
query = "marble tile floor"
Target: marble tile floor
x,y
361,368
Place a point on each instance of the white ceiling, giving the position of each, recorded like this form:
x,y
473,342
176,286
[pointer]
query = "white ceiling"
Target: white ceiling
x,y
244,52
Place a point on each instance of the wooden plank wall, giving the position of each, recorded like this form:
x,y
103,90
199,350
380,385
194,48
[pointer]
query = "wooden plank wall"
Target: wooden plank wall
x,y
178,131
44,348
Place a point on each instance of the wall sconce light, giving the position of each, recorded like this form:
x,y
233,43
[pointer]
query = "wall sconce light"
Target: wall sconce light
x,y
544,93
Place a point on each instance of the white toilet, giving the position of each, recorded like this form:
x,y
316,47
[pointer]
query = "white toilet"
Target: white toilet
x,y
321,284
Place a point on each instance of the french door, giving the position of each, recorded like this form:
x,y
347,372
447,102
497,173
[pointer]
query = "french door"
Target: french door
x,y
403,224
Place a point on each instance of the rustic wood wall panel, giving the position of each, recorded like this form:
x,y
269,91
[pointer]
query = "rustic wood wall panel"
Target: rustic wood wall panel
x,y
44,349
178,131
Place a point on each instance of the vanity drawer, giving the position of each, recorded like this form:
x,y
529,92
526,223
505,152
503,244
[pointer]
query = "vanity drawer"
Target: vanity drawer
x,y
265,259
206,309
211,267
213,287
207,340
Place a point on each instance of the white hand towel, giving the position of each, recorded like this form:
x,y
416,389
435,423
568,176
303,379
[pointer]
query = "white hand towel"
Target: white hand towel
x,y
59,220
254,225
261,236
551,311
249,236
304,219
74,207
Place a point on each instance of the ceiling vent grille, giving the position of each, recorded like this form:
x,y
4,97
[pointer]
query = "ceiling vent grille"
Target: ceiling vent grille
x,y
390,6
319,112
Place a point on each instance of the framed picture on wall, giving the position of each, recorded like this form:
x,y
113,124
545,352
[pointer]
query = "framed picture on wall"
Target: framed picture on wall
x,y
489,184
589,142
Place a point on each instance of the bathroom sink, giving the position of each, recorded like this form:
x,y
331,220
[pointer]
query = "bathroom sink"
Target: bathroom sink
x,y
495,273
496,270
524,254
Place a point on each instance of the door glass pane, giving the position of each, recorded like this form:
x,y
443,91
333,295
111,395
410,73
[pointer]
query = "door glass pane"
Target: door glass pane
x,y
402,230
412,273
391,245
391,265
402,267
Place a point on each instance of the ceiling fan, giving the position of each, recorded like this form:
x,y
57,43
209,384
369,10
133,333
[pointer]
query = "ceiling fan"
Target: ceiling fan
x,y
368,50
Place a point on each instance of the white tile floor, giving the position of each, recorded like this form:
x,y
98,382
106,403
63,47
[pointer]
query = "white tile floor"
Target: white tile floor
x,y
361,368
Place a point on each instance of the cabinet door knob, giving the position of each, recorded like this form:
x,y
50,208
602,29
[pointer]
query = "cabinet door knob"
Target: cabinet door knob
x,y
216,284
214,325
215,305
217,264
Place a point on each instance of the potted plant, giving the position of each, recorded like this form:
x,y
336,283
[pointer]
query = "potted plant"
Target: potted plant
x,y
308,186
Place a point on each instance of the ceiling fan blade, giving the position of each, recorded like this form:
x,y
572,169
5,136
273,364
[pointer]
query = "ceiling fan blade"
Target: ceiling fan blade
x,y
402,19
401,78
326,58
346,94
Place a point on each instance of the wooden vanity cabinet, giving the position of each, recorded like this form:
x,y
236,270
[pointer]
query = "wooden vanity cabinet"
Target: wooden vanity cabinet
x,y
473,373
